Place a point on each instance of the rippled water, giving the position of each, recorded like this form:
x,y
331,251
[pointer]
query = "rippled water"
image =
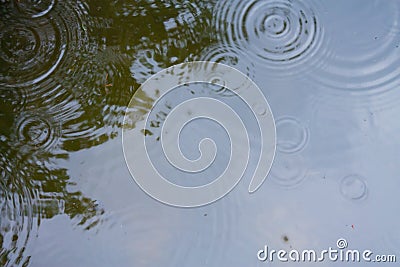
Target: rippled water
x,y
331,74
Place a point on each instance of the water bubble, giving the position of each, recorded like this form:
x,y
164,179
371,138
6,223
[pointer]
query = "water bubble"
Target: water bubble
x,y
353,187
292,136
217,80
219,86
259,109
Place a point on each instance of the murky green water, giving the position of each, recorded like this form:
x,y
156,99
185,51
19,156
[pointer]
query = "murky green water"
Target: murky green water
x,y
329,69
67,71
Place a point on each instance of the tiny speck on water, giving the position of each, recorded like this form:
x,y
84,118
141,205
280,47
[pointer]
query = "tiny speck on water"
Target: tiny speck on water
x,y
285,238
205,214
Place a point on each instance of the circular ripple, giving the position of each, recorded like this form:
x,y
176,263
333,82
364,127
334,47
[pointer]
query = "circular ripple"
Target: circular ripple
x,y
292,136
30,51
23,43
36,131
16,226
272,31
229,56
15,98
375,71
52,63
353,187
35,8
288,170
366,65
218,79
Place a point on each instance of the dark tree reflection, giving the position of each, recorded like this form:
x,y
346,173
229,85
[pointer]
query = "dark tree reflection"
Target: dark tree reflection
x,y
67,71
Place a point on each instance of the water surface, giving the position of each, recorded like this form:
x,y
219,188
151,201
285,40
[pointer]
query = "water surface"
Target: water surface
x,y
329,69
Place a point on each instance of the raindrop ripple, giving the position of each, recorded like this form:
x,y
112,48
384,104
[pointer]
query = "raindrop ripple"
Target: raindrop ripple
x,y
274,33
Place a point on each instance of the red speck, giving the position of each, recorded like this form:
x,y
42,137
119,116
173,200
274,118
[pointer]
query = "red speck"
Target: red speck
x,y
352,226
